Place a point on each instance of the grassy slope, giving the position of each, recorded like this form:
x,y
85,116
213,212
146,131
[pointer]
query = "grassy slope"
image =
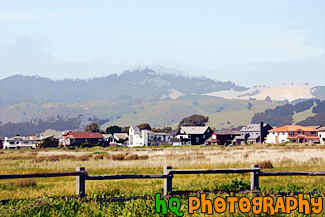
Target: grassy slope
x,y
303,115
170,112
158,113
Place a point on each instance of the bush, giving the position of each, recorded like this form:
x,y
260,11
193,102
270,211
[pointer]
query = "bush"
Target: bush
x,y
131,157
234,185
84,157
101,157
118,157
265,165
38,159
52,158
316,160
86,145
143,157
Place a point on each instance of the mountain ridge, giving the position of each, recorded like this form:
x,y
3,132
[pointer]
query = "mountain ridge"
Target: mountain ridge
x,y
138,85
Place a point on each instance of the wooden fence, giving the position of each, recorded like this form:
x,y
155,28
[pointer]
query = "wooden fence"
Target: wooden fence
x,y
82,176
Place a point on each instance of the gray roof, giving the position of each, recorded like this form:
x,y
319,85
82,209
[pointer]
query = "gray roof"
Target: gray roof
x,y
121,135
227,132
252,128
159,133
194,130
254,137
239,137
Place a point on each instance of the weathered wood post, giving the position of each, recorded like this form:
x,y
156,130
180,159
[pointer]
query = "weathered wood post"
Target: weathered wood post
x,y
168,182
255,178
80,183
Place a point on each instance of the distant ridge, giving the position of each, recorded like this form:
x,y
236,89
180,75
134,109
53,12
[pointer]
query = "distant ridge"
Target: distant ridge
x,y
136,85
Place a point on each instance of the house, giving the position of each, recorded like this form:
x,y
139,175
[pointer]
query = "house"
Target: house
x,y
222,137
253,133
2,139
120,137
77,138
321,133
139,137
108,138
18,142
193,135
293,133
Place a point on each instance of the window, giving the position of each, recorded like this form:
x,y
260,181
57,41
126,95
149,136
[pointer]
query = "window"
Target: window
x,y
203,136
299,132
313,132
283,133
189,136
197,139
291,133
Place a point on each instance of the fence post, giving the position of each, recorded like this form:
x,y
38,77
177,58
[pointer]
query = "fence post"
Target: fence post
x,y
254,179
80,183
168,182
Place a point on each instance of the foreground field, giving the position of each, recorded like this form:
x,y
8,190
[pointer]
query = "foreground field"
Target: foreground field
x,y
147,161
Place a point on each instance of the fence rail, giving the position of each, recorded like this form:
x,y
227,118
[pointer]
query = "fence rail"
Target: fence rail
x,y
285,173
215,171
41,175
168,175
108,177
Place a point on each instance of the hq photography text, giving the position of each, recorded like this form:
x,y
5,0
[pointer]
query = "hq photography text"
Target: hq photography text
x,y
256,205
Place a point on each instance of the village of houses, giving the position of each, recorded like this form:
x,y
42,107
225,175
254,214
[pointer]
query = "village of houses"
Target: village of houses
x,y
185,135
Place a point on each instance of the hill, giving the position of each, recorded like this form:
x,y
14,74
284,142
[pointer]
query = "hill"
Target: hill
x,y
136,86
288,93
222,113
310,112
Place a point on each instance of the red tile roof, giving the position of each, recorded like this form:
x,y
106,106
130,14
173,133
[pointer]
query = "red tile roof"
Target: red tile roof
x,y
288,128
85,135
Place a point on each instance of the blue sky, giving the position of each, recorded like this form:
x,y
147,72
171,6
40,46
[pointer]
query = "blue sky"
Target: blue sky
x,y
248,42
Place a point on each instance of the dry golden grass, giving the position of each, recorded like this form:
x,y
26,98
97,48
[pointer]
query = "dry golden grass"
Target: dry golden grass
x,y
151,161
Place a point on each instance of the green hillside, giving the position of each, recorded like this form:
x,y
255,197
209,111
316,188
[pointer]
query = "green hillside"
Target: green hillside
x,y
222,113
300,116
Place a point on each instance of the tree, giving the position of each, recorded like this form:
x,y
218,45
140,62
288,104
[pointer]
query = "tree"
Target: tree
x,y
125,130
113,129
92,127
268,99
249,106
165,129
144,126
194,120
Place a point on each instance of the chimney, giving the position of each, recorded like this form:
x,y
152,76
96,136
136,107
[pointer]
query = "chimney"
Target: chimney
x,y
261,132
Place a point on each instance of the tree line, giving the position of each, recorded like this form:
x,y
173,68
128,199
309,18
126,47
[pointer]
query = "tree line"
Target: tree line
x,y
283,115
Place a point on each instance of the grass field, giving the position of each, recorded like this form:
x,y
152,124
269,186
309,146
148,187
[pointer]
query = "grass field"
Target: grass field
x,y
289,157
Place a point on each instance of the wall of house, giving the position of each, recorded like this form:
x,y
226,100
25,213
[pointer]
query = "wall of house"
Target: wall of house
x,y
283,137
321,136
271,137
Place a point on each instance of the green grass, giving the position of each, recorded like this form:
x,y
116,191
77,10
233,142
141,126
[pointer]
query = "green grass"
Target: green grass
x,y
300,116
36,191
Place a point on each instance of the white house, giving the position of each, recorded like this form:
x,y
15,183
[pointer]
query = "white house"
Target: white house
x,y
18,142
321,133
139,137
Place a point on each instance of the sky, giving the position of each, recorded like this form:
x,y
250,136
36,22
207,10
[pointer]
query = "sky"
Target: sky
x,y
248,42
